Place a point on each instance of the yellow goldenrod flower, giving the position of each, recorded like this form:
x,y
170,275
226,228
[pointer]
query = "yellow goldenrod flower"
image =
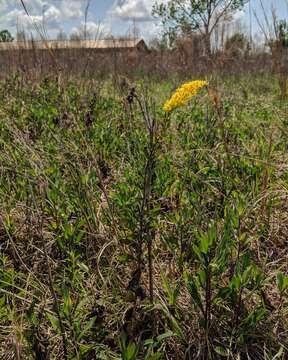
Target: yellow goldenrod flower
x,y
183,94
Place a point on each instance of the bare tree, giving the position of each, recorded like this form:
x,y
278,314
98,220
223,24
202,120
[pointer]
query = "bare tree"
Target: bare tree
x,y
202,16
61,36
21,36
275,32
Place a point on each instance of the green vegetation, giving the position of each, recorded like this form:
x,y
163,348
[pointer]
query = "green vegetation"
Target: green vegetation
x,y
183,18
5,36
128,233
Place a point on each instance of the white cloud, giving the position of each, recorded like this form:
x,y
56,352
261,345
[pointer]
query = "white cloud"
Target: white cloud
x,y
18,18
69,14
53,14
132,9
71,8
94,30
50,17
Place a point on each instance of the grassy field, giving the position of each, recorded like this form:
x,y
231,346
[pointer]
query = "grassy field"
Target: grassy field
x,y
128,233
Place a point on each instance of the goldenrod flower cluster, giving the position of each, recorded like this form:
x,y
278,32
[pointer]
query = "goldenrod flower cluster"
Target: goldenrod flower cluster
x,y
183,94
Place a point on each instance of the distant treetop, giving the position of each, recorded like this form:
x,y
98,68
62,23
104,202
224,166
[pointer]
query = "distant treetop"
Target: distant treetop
x,y
5,36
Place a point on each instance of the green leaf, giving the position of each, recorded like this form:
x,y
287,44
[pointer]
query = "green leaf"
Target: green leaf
x,y
175,325
154,357
83,267
282,282
131,351
172,291
247,275
193,289
204,245
148,342
164,336
206,240
221,351
235,283
54,322
87,327
279,353
197,251
67,305
31,316
202,277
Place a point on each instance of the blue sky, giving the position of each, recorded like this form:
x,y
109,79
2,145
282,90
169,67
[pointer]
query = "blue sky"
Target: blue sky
x,y
105,16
